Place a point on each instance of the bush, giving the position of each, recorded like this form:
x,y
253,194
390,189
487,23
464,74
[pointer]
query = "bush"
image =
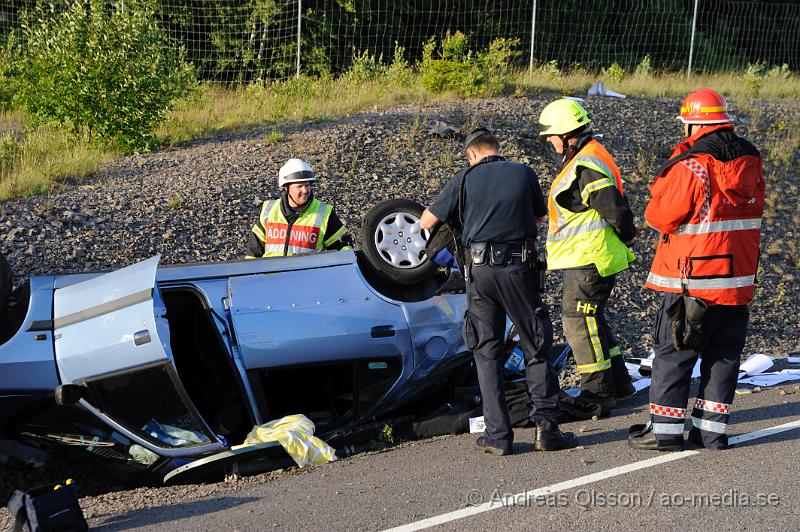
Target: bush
x,y
615,73
400,73
780,72
458,70
754,77
550,69
645,67
366,66
97,69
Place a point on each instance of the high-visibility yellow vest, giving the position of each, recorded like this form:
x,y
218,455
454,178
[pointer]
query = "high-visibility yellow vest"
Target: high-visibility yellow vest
x,y
576,239
307,232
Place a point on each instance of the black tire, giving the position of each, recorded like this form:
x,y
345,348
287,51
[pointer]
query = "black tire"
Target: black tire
x,y
378,264
6,283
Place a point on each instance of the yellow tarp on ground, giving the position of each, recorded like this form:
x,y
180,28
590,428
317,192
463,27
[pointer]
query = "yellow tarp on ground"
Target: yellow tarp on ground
x,y
296,435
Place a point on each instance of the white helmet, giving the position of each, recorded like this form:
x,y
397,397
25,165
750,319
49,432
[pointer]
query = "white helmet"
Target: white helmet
x,y
295,171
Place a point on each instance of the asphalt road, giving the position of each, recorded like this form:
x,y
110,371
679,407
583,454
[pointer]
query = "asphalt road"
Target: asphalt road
x,y
754,485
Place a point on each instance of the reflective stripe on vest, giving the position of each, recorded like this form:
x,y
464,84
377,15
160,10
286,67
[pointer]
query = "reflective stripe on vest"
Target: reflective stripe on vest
x,y
578,229
700,284
579,239
307,232
718,227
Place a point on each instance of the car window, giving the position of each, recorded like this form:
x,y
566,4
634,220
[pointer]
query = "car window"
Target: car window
x,y
147,403
76,430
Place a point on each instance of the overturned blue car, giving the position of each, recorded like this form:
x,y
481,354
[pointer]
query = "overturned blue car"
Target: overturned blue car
x,y
157,370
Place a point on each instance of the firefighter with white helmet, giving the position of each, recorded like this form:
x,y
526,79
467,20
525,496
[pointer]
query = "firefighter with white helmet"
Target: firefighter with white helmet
x,y
590,229
296,222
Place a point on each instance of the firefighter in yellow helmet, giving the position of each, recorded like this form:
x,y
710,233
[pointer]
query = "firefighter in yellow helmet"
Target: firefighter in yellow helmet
x,y
296,222
590,229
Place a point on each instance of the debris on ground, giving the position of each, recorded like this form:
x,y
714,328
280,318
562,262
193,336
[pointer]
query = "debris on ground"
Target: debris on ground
x,y
599,89
443,130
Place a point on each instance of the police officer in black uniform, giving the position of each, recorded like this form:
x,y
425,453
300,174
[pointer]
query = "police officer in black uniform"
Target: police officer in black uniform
x,y
497,204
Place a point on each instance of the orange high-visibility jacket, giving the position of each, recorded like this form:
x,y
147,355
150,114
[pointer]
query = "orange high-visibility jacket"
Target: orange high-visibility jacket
x,y
709,215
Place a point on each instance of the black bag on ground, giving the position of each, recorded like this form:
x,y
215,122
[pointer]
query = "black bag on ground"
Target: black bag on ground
x,y
45,509
447,419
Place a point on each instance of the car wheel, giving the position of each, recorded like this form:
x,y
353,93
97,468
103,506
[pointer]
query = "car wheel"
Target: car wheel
x,y
6,283
392,254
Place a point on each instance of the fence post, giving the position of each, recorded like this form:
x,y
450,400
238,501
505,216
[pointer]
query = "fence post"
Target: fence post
x,y
691,45
299,23
533,35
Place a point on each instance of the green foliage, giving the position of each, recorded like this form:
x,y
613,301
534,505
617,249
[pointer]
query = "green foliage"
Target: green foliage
x,y
175,202
386,436
273,137
33,161
780,72
753,77
10,151
645,67
756,75
614,73
455,47
105,70
453,67
366,66
495,63
551,69
296,88
400,73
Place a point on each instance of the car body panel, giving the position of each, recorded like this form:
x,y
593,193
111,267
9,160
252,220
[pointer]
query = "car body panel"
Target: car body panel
x,y
110,323
294,318
28,366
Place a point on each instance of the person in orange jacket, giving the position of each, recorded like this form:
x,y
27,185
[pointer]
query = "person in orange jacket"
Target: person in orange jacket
x,y
707,203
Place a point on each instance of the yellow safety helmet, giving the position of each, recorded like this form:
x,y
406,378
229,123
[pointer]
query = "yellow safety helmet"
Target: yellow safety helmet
x,y
561,117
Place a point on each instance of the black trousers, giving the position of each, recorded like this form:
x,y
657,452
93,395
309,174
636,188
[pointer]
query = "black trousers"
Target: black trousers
x,y
725,331
597,354
494,293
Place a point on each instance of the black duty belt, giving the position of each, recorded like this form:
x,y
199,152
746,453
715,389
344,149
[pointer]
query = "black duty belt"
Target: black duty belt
x,y
499,253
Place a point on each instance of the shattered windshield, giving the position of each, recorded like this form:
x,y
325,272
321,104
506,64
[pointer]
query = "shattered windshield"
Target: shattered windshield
x,y
147,402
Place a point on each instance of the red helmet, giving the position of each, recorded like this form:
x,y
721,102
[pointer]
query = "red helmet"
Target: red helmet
x,y
704,106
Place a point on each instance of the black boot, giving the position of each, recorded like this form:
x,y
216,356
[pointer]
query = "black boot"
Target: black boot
x,y
623,387
493,448
644,437
598,388
717,442
550,438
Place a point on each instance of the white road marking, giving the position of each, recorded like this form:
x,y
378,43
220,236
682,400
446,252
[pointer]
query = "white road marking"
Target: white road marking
x,y
581,481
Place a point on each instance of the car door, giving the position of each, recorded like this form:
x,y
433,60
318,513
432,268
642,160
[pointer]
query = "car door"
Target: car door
x,y
318,341
112,338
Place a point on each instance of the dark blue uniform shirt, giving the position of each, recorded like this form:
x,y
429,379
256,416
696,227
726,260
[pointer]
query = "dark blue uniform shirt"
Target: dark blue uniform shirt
x,y
501,202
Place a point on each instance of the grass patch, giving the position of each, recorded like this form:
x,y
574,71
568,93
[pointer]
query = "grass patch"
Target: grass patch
x,y
734,85
213,109
33,162
273,137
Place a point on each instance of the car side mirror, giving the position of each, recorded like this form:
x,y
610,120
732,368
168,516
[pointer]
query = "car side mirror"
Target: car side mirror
x,y
68,394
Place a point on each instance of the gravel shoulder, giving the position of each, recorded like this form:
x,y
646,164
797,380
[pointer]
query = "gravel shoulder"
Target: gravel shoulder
x,y
198,201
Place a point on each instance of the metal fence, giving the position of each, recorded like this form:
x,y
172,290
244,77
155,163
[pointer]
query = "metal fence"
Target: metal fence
x,y
238,40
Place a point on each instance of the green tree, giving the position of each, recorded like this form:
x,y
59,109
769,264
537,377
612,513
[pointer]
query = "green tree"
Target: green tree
x,y
103,69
